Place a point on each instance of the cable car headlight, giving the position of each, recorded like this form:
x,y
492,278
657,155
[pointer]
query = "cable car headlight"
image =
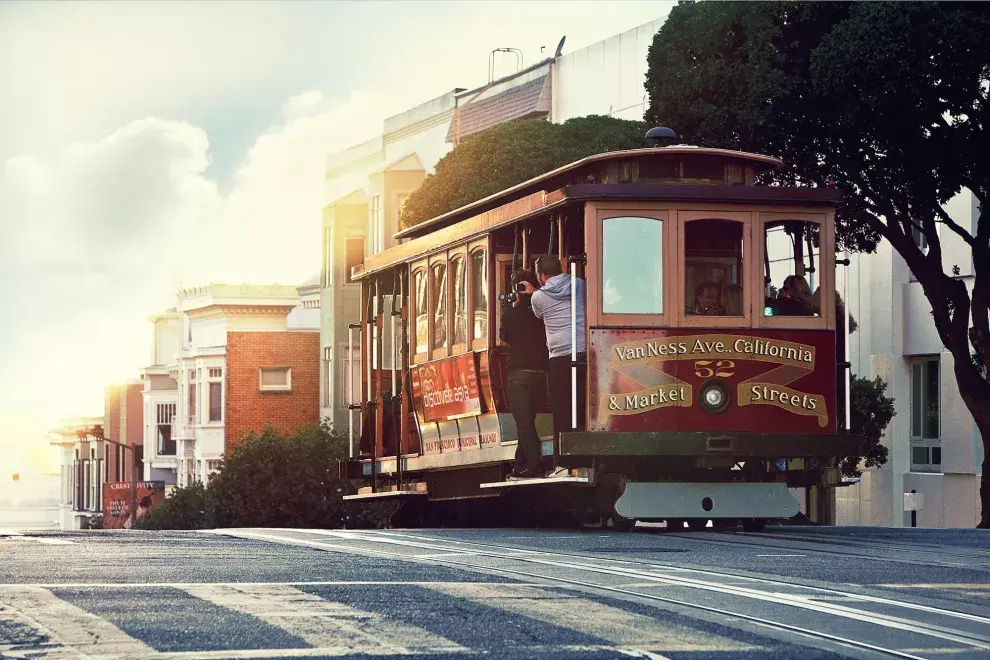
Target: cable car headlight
x,y
714,396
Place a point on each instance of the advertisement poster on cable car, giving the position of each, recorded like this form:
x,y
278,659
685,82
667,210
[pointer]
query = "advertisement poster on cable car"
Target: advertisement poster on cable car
x,y
117,502
683,380
446,388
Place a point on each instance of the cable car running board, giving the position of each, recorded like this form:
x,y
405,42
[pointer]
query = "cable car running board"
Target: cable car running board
x,y
386,494
545,481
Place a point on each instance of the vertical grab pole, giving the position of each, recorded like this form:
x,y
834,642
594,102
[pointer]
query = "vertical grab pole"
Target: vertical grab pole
x,y
845,335
350,388
574,345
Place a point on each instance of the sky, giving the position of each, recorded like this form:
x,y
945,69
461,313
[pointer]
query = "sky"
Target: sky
x,y
148,145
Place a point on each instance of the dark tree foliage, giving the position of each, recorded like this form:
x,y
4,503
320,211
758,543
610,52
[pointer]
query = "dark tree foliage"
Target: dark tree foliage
x,y
871,412
184,508
273,480
510,153
887,100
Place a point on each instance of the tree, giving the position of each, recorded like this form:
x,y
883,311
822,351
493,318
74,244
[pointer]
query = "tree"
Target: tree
x,y
511,153
887,100
870,413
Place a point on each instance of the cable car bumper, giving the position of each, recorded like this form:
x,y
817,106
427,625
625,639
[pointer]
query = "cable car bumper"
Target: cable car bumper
x,y
591,444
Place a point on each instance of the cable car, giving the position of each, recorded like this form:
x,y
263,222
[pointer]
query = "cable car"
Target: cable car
x,y
709,381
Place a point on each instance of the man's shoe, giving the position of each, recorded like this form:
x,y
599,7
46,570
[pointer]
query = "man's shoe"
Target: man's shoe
x,y
525,474
559,472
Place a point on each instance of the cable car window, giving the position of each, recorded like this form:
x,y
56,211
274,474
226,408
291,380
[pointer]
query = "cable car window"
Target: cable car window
x,y
422,313
460,299
790,267
438,298
479,292
632,266
713,268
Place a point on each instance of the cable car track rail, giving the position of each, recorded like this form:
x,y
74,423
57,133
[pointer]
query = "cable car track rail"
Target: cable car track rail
x,y
444,554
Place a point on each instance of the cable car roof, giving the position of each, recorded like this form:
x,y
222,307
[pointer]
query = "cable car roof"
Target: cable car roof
x,y
758,161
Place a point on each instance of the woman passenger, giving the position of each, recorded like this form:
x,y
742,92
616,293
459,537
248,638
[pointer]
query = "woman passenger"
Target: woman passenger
x,y
794,298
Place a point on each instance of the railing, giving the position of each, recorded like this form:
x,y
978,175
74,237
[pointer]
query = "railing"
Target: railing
x,y
183,427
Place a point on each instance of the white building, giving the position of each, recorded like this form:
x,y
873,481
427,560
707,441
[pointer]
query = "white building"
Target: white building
x,y
935,447
83,471
161,400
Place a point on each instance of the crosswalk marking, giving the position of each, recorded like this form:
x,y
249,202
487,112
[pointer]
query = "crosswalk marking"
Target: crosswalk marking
x,y
72,632
590,617
324,623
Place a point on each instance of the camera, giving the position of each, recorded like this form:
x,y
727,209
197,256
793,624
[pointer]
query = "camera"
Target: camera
x,y
509,298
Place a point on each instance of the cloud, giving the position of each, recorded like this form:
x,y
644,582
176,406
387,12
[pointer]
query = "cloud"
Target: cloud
x,y
104,232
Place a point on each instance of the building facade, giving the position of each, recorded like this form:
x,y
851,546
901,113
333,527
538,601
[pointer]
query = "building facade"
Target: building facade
x,y
248,356
82,470
161,400
935,448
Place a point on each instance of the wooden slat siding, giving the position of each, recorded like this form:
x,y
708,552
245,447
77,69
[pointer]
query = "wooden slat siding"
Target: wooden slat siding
x,y
442,239
465,211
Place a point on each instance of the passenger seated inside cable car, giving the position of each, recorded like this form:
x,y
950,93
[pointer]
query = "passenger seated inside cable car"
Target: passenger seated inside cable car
x,y
791,251
713,267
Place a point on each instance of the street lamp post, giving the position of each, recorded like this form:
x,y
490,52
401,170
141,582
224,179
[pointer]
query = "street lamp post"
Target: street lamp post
x,y
97,432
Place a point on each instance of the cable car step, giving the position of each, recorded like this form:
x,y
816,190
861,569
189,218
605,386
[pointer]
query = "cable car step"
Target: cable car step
x,y
409,491
545,481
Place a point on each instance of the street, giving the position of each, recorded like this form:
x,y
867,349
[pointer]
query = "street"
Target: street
x,y
799,592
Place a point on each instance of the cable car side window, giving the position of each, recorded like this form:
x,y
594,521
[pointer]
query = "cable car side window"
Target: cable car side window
x,y
632,265
458,274
479,293
422,311
438,298
791,258
713,268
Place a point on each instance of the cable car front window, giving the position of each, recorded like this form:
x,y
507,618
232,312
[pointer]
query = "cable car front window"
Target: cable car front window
x,y
632,266
792,254
713,268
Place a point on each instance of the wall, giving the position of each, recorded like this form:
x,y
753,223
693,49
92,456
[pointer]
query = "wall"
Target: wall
x,y
605,78
246,408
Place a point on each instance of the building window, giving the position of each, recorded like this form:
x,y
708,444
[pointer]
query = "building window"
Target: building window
x,y
165,412
926,444
327,257
377,231
350,376
216,402
192,403
275,379
355,255
632,266
215,372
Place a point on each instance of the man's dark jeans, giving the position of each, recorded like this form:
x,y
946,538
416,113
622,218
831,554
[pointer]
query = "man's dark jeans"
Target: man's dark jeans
x,y
525,389
559,382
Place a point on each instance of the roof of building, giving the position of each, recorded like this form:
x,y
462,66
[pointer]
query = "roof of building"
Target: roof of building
x,y
528,100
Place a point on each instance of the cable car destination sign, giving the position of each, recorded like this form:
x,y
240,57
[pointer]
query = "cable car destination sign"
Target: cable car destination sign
x,y
715,356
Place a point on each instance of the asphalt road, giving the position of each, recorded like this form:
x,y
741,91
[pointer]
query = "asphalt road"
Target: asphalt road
x,y
807,593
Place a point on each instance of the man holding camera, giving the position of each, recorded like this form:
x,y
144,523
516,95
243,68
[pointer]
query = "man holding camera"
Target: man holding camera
x,y
528,361
552,304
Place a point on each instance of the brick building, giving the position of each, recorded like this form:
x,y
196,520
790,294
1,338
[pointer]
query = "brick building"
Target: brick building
x,y
228,360
272,378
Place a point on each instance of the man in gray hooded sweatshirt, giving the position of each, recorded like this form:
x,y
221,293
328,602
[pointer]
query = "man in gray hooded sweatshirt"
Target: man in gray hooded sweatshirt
x,y
552,303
